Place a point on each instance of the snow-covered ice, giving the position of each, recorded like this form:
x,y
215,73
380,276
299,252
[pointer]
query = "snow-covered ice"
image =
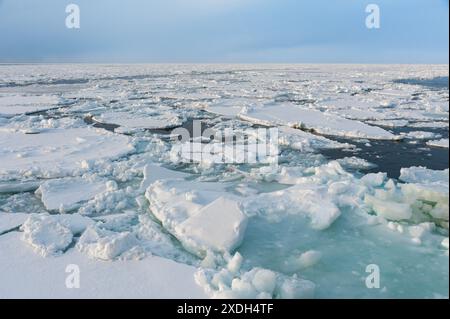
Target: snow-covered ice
x,y
57,152
129,121
11,105
323,123
91,175
52,234
198,214
67,194
444,143
9,221
219,225
27,275
420,135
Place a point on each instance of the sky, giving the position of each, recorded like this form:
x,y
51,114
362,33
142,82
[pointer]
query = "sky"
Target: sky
x,y
225,31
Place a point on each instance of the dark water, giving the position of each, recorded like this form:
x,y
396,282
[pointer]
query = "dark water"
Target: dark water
x,y
391,156
388,156
440,82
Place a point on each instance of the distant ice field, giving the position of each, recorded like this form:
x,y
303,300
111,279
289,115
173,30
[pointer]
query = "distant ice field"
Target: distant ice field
x,y
348,199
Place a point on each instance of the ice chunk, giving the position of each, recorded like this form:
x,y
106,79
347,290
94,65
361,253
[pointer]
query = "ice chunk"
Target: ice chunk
x,y
389,209
422,135
429,125
424,175
306,260
445,243
304,141
265,281
235,263
51,235
117,222
429,193
48,238
200,215
355,163
374,179
358,114
429,186
253,284
152,236
296,288
66,194
425,194
153,173
419,231
129,120
19,187
231,107
312,201
219,226
390,123
104,244
324,123
439,143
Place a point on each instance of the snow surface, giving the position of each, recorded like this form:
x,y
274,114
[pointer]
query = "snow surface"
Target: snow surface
x,y
11,105
67,194
27,275
9,221
57,152
140,221
323,123
139,121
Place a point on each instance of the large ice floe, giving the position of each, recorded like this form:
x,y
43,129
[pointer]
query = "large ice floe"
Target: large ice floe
x,y
320,122
11,105
57,152
93,179
200,215
444,143
67,194
128,121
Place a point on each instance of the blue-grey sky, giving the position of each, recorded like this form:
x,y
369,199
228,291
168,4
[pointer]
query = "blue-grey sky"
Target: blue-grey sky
x,y
283,31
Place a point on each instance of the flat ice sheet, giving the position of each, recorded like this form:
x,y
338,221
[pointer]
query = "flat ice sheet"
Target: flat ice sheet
x,y
24,274
9,221
66,194
444,143
139,121
11,105
57,152
323,123
153,173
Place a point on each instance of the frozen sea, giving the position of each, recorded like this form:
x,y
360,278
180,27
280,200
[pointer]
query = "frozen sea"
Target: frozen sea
x,y
349,201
